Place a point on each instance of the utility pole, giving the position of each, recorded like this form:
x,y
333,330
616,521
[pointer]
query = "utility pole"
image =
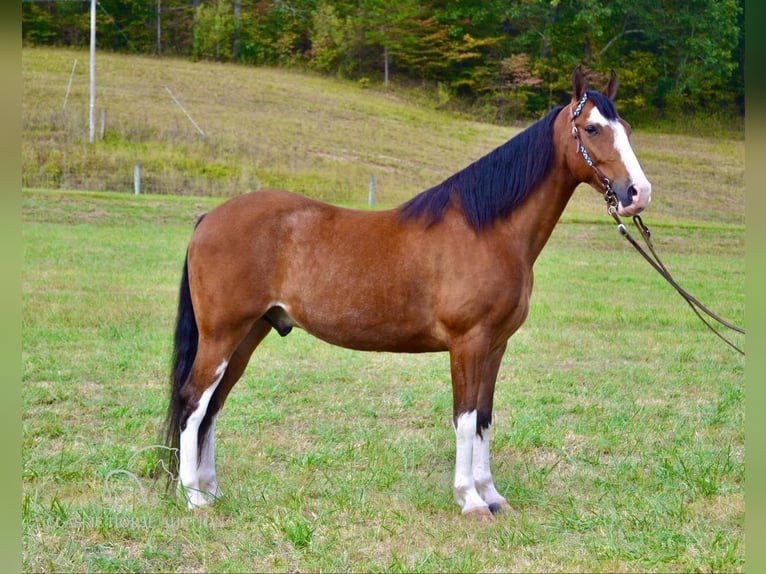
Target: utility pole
x,y
159,29
92,111
237,16
92,115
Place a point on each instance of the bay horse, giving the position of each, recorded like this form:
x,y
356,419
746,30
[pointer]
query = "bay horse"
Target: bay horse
x,y
449,270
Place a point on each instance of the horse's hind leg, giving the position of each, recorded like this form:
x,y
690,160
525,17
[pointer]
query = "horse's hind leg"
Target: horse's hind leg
x,y
208,371
196,472
208,481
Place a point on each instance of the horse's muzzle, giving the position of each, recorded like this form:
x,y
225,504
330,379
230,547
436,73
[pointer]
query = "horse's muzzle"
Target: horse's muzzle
x,y
633,199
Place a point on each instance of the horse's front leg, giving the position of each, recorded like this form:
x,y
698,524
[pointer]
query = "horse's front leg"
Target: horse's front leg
x,y
467,365
481,472
483,476
464,486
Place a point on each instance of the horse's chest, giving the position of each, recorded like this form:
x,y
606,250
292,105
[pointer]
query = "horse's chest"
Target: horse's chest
x,y
496,300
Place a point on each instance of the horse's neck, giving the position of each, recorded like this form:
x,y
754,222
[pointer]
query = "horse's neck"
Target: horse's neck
x,y
531,224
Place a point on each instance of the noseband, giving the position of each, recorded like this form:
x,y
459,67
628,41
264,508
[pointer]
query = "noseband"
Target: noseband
x,y
611,206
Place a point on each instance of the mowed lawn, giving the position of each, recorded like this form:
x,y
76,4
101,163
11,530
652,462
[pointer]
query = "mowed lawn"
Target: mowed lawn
x,y
618,438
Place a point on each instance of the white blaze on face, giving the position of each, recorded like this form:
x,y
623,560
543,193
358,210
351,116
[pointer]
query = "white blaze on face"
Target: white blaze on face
x,y
629,160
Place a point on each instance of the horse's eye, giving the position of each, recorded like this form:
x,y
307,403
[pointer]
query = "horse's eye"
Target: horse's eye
x,y
591,130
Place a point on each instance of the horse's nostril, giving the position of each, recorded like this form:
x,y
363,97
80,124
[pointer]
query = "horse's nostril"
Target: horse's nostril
x,y
632,191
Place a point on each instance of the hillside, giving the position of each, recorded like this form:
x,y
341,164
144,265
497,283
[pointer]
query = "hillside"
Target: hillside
x,y
324,138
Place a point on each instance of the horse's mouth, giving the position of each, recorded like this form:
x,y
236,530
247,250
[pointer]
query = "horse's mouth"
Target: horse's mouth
x,y
629,211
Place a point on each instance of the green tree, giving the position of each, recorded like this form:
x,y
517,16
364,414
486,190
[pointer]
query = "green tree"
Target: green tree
x,y
332,37
275,32
214,31
697,42
670,54
37,24
514,57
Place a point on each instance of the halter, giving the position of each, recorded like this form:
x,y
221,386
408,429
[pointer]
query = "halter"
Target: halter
x,y
611,206
609,195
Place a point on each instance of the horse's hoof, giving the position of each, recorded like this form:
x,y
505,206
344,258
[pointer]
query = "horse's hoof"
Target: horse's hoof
x,y
197,499
481,514
500,507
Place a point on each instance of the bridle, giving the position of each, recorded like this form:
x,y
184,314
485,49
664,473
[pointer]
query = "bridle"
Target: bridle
x,y
581,148
611,206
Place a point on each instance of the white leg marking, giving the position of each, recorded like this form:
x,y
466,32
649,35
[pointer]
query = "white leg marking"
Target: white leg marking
x,y
188,471
465,491
481,472
208,481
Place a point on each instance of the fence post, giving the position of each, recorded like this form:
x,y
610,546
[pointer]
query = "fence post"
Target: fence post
x,y
136,179
103,123
371,192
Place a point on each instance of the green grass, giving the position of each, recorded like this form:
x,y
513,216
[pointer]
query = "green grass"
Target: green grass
x,y
619,419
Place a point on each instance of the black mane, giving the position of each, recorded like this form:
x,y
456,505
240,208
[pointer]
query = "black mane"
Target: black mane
x,y
494,185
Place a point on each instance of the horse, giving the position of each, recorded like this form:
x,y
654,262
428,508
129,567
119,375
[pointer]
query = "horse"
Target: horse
x,y
450,270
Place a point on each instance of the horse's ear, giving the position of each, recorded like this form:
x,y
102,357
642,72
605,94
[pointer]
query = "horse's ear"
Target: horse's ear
x,y
578,84
611,88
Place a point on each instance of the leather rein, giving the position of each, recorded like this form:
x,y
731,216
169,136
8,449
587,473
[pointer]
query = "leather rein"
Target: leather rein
x,y
611,206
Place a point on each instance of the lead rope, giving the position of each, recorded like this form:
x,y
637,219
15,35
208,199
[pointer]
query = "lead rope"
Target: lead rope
x,y
659,266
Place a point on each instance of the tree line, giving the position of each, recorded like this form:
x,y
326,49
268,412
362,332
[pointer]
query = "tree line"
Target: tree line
x,y
511,58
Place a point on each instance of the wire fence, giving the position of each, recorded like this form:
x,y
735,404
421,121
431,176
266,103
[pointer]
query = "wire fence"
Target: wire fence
x,y
173,180
124,180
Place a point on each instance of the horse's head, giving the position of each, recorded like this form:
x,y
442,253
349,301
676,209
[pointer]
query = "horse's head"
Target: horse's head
x,y
600,154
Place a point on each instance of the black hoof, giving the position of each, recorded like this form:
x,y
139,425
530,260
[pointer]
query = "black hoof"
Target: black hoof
x,y
495,508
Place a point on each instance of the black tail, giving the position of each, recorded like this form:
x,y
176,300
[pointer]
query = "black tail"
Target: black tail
x,y
184,352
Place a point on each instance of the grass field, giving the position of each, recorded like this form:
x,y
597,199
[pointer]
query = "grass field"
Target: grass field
x,y
619,435
619,419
